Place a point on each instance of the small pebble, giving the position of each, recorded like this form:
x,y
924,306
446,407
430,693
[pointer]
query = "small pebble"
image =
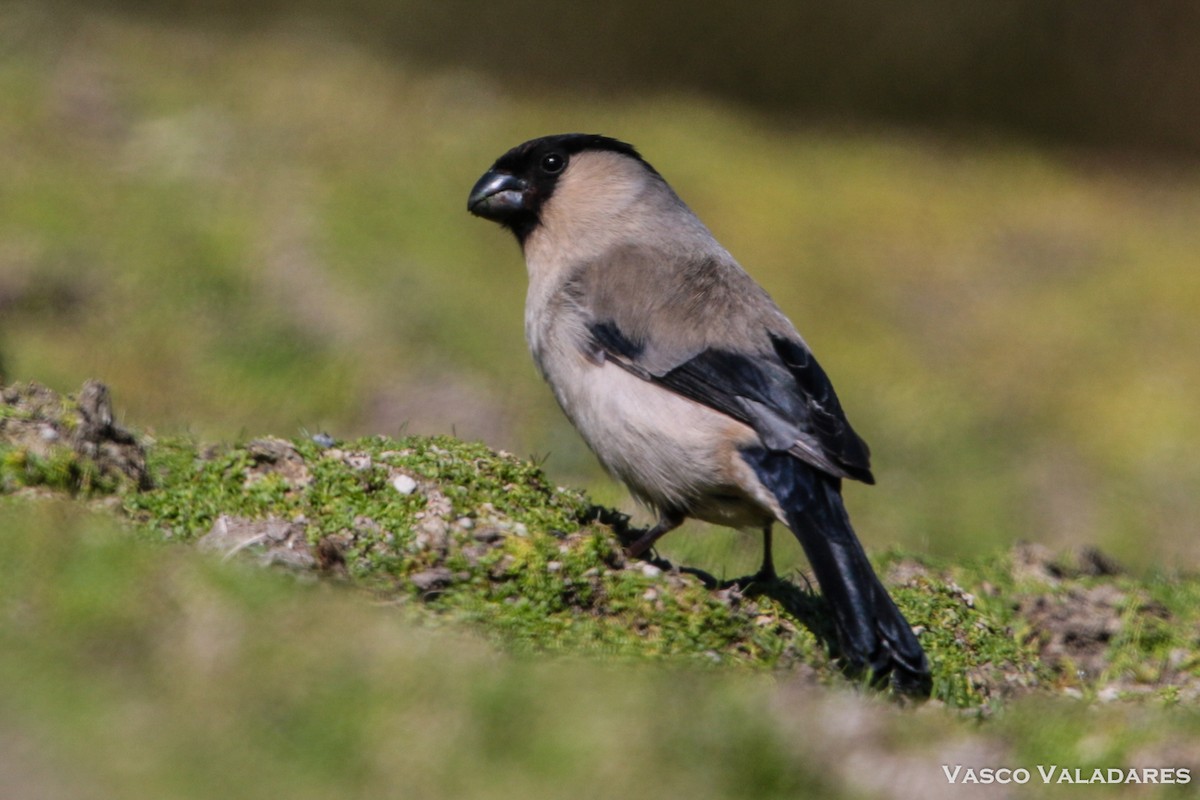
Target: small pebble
x,y
487,534
431,579
651,571
404,484
358,461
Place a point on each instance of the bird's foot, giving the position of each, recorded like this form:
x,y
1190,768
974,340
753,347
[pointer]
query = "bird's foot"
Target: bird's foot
x,y
760,580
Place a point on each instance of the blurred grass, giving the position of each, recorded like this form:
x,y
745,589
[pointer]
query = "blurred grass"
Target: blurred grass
x,y
147,671
266,232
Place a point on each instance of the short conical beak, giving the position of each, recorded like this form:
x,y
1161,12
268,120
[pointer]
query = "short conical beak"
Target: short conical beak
x,y
497,196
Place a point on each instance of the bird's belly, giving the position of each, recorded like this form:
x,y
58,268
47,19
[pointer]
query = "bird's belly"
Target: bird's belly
x,y
672,453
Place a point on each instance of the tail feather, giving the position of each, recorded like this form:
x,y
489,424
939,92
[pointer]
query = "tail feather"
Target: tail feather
x,y
871,630
874,633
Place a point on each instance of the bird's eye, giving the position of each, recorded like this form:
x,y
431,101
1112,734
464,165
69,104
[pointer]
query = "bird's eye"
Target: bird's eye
x,y
553,163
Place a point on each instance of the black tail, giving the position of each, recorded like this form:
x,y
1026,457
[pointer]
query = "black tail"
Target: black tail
x,y
871,630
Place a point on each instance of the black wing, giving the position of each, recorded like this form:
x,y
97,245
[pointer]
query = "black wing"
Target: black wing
x,y
782,393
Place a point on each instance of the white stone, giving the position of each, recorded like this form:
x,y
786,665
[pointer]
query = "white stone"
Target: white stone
x,y
404,484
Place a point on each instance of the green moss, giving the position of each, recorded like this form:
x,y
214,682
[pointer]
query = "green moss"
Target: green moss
x,y
194,487
482,539
975,659
564,594
1159,639
522,561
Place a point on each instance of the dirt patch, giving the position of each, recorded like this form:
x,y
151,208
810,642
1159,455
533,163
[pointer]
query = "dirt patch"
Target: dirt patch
x,y
1075,624
1075,628
1094,623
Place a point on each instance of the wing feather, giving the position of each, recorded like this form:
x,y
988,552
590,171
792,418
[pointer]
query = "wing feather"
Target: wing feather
x,y
710,334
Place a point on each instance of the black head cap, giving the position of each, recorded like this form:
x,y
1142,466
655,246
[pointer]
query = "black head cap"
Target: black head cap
x,y
513,191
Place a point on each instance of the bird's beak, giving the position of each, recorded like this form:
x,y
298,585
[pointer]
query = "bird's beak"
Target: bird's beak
x,y
497,195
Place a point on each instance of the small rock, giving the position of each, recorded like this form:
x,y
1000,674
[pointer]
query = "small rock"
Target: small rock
x,y
432,579
726,597
474,554
404,484
553,566
271,540
358,461
277,457
487,534
967,598
651,571
270,449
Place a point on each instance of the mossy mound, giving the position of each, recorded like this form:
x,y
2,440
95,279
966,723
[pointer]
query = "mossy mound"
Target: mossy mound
x,y
454,533
470,534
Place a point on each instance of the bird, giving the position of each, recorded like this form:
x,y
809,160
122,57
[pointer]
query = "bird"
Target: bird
x,y
685,379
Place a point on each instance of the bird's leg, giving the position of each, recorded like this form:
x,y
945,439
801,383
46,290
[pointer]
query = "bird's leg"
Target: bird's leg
x,y
667,522
766,572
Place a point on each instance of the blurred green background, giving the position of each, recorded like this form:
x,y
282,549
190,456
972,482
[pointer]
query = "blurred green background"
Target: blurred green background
x,y
250,219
